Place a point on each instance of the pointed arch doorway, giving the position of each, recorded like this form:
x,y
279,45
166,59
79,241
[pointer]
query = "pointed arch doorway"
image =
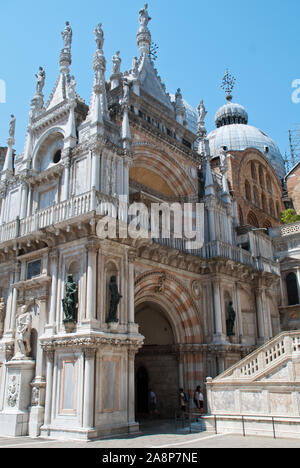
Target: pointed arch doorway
x,y
156,365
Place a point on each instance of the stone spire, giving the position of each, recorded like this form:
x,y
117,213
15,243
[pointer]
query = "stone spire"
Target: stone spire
x,y
203,143
71,137
209,182
65,60
98,106
144,35
204,151
60,92
125,104
223,168
8,169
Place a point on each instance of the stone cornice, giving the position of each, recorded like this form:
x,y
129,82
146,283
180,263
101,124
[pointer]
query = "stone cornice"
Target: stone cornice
x,y
91,340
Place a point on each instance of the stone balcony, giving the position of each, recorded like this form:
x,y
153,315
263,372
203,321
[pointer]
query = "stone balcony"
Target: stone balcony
x,y
96,204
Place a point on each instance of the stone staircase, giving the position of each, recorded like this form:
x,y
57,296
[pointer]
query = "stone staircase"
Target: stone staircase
x,y
261,393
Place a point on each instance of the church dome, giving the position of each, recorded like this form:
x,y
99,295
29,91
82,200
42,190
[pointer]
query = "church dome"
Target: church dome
x,y
234,134
231,113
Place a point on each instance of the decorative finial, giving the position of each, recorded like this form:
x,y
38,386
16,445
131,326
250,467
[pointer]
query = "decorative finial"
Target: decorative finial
x,y
67,36
99,36
144,35
228,84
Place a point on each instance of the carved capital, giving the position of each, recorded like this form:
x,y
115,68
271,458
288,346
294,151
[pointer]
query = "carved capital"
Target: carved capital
x,y
90,353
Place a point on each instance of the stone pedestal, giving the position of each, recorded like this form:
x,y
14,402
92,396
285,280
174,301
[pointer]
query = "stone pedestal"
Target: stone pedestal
x,y
37,410
14,418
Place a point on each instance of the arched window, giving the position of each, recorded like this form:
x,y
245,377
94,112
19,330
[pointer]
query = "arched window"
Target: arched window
x,y
267,224
252,219
253,171
248,191
272,208
264,203
256,196
261,176
269,184
292,289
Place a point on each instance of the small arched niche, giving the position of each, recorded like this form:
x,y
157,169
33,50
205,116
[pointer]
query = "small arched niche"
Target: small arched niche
x,y
111,270
49,153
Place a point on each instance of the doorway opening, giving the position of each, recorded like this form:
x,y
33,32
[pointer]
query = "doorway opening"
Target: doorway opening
x,y
156,364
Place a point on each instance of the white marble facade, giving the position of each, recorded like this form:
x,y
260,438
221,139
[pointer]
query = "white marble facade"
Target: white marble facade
x,y
81,381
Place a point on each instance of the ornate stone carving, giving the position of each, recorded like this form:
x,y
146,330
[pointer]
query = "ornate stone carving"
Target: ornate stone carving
x,y
71,89
35,396
41,77
23,333
99,36
116,60
12,127
12,391
144,18
67,36
161,283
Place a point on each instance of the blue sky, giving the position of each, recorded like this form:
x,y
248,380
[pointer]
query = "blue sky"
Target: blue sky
x,y
258,41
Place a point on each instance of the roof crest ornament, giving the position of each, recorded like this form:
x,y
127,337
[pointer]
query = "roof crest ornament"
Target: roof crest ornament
x,y
144,35
228,83
67,36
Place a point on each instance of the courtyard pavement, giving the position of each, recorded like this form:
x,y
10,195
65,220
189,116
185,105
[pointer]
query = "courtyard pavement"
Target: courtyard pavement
x,y
159,435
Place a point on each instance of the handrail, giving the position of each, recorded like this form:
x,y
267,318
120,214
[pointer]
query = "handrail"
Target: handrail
x,y
270,353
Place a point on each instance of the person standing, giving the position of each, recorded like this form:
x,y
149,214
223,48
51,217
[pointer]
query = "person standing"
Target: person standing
x,y
198,398
153,403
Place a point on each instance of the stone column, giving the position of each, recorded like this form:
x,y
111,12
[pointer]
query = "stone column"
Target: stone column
x,y
95,171
49,387
131,277
131,387
260,316
89,389
91,296
53,299
219,336
238,311
126,179
29,209
15,300
66,186
24,198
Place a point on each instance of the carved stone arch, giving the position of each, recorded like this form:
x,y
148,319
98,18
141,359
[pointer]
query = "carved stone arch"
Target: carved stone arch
x,y
41,141
73,267
182,304
252,219
162,163
166,306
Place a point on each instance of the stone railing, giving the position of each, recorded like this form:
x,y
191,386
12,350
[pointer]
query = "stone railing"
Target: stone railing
x,y
219,249
285,230
284,346
58,213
